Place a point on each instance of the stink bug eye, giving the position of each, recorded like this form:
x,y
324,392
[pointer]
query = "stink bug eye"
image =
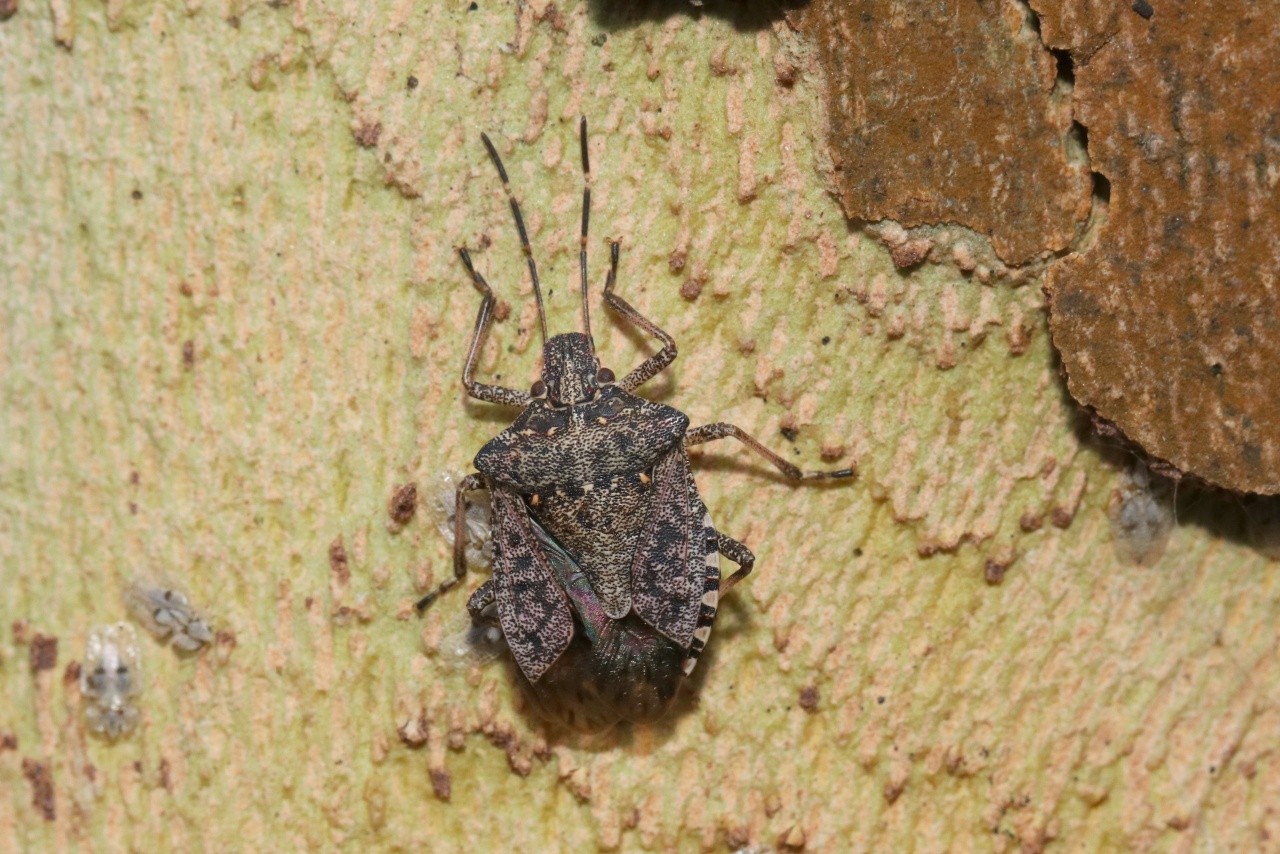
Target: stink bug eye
x,y
606,565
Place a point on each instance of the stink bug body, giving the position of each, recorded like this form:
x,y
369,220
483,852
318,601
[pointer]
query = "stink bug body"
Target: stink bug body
x,y
606,572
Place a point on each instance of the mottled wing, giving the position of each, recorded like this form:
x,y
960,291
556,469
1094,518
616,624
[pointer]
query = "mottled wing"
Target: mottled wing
x,y
532,608
668,575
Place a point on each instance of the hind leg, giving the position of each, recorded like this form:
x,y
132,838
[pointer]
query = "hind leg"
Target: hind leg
x,y
739,554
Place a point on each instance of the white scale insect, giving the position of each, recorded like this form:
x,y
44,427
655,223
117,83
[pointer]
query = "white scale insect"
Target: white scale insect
x,y
167,613
110,677
1141,512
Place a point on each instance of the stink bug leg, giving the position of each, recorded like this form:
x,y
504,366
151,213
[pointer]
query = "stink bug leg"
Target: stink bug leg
x,y
468,484
658,362
484,319
711,432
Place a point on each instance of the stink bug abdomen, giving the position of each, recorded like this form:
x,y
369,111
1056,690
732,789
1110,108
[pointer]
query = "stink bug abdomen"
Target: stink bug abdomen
x,y
630,673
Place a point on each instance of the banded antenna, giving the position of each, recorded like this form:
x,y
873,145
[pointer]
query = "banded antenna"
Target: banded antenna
x,y
524,234
582,245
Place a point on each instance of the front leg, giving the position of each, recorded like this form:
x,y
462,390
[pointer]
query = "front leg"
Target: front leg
x,y
653,365
470,483
484,318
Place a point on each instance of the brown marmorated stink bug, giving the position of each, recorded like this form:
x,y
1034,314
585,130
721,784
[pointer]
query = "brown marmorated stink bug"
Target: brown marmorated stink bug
x,y
606,566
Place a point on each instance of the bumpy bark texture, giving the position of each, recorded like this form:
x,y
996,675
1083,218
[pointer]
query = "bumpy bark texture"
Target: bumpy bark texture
x,y
231,327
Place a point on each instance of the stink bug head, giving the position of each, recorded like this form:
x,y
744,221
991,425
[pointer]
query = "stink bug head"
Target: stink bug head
x,y
571,373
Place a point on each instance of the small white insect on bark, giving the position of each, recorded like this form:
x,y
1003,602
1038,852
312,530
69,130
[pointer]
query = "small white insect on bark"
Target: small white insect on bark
x,y
479,537
110,678
167,613
468,643
1142,515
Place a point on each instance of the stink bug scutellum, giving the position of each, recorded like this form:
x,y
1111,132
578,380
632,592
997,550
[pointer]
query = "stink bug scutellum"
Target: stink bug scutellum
x,y
606,569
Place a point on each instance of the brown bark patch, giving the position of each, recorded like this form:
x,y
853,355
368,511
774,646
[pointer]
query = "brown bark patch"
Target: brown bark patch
x,y
403,504
1169,324
41,780
949,112
338,563
43,652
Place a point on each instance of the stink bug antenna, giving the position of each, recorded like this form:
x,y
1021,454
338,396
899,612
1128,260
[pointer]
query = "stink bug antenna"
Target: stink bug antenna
x,y
586,217
524,235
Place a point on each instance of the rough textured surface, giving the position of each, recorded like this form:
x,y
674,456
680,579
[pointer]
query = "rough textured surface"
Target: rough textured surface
x,y
950,112
229,329
1169,324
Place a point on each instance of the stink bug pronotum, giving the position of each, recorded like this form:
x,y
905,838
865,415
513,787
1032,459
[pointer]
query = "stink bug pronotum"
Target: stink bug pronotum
x,y
606,570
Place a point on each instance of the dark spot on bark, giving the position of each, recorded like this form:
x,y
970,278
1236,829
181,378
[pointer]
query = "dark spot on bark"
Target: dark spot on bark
x,y
995,570
1144,10
411,82
789,433
8,741
599,39
441,784
809,698
403,503
368,133
826,339
136,195
44,652
41,780
226,638
690,289
338,561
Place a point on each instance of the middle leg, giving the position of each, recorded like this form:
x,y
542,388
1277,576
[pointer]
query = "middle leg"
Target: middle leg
x,y
711,432
470,483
